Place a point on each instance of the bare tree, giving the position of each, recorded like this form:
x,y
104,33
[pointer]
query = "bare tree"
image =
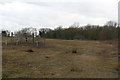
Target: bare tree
x,y
111,23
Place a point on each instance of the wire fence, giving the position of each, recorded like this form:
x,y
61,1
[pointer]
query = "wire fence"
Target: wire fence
x,y
33,41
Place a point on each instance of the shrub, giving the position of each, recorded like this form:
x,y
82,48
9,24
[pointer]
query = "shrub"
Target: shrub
x,y
72,69
74,50
29,50
117,69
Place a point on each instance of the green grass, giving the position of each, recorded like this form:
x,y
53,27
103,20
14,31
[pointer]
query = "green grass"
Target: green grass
x,y
93,59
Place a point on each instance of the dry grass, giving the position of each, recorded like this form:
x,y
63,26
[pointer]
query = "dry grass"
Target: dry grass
x,y
93,59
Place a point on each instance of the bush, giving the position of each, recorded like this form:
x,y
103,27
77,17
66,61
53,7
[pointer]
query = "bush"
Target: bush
x,y
29,50
117,69
72,69
74,51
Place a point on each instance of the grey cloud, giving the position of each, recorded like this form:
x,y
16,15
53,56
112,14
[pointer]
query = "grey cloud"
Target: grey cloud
x,y
51,14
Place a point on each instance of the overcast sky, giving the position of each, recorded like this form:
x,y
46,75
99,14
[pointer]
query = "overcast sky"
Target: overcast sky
x,y
17,14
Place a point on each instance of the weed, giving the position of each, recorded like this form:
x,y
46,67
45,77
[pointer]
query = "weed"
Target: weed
x,y
4,75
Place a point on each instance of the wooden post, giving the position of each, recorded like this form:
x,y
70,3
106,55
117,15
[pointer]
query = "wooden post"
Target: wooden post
x,y
33,37
44,41
25,34
17,42
37,43
26,39
6,42
12,34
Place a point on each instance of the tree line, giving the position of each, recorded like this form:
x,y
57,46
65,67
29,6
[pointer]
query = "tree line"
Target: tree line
x,y
109,31
89,32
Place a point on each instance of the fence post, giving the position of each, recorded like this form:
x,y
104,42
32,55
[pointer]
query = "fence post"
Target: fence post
x,y
37,43
17,42
44,41
6,42
26,39
33,37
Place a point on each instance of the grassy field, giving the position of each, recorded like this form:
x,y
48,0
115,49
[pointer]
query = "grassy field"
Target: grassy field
x,y
93,59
